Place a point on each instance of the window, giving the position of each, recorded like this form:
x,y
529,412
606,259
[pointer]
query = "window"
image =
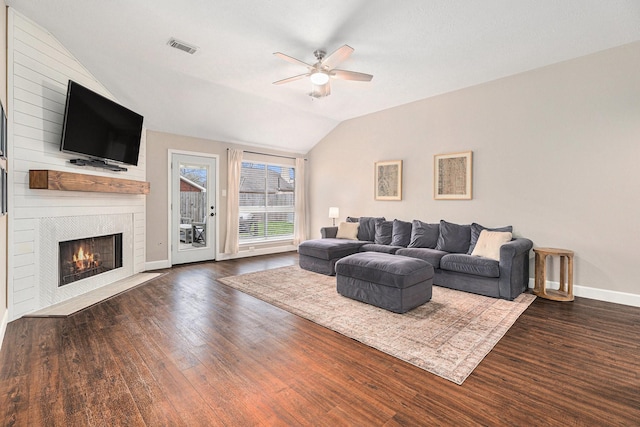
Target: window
x,y
267,202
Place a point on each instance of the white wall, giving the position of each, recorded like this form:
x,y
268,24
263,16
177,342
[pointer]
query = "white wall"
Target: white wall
x,y
4,310
39,68
556,155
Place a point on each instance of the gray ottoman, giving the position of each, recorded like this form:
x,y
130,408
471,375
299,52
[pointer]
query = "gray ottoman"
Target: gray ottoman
x,y
393,282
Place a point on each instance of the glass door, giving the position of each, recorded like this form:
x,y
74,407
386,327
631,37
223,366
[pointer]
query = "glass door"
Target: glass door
x,y
193,208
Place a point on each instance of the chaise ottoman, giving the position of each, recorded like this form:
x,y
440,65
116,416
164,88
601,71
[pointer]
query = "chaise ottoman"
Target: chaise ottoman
x,y
393,282
320,255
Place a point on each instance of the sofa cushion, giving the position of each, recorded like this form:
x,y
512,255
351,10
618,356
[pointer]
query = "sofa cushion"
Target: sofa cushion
x,y
424,235
372,247
454,238
432,256
463,263
476,229
384,232
329,248
401,233
489,243
348,230
367,229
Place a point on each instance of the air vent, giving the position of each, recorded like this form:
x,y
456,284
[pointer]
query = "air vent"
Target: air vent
x,y
185,47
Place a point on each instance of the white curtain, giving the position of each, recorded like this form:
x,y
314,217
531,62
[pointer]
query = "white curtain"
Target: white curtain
x,y
300,224
234,168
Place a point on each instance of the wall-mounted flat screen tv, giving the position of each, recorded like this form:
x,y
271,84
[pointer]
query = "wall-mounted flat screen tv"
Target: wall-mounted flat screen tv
x,y
100,128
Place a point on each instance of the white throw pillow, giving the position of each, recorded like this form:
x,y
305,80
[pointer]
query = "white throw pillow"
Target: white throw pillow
x,y
489,243
348,230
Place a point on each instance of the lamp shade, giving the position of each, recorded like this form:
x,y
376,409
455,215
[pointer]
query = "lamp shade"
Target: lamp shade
x,y
334,213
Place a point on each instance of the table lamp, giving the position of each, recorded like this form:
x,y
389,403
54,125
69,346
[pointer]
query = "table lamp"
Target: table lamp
x,y
333,214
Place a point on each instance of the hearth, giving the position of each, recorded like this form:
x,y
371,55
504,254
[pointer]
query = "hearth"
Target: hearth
x,y
87,257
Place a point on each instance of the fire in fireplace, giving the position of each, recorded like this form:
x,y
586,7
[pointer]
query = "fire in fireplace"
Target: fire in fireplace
x,y
88,257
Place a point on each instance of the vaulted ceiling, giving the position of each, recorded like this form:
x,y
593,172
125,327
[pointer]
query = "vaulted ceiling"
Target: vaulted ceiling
x,y
414,48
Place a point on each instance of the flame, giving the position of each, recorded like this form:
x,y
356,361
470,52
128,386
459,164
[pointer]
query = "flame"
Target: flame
x,y
83,261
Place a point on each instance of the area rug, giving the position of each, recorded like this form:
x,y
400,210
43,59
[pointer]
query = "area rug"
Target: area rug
x,y
448,336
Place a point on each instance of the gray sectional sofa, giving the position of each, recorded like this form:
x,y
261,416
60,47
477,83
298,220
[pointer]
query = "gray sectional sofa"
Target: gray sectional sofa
x,y
444,245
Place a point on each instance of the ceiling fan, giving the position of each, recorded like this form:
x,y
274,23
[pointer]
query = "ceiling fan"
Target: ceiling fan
x,y
323,70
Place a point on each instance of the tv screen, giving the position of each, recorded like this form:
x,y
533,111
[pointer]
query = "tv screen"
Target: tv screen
x,y
100,128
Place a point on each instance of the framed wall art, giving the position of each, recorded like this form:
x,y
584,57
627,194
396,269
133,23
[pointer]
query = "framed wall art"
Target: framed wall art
x,y
453,176
388,180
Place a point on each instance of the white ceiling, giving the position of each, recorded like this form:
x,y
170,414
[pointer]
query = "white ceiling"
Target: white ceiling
x,y
414,48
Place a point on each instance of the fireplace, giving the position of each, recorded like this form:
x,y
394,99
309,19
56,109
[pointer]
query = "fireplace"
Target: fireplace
x,y
87,257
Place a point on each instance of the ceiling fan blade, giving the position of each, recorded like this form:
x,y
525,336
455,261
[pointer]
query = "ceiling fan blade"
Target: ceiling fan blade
x,y
337,57
291,79
292,59
319,91
351,75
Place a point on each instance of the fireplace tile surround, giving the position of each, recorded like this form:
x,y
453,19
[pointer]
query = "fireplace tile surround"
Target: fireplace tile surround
x,y
53,230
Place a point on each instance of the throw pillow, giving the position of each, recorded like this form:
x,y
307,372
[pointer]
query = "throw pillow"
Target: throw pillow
x,y
347,230
454,238
424,235
489,243
477,228
400,233
384,232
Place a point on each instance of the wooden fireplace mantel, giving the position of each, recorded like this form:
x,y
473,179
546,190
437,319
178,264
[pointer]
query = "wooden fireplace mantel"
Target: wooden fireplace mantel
x,y
70,181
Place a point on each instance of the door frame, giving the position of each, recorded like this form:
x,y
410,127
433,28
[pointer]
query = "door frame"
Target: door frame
x,y
170,153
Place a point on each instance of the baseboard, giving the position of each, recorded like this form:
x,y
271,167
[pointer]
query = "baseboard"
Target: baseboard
x,y
259,251
598,294
3,326
156,265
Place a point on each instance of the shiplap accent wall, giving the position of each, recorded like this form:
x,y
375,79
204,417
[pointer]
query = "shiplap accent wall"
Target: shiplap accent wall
x,y
39,68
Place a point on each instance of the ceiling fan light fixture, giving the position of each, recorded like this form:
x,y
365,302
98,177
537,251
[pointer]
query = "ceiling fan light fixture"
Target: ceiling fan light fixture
x,y
322,72
319,78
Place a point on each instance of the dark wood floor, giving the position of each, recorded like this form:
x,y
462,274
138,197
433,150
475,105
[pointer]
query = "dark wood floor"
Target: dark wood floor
x,y
186,350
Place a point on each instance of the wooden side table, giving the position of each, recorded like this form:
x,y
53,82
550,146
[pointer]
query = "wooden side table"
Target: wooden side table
x,y
565,293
